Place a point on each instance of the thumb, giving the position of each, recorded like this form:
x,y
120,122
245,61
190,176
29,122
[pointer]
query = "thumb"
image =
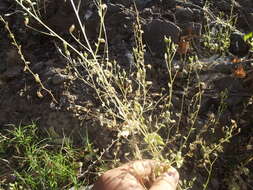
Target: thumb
x,y
167,181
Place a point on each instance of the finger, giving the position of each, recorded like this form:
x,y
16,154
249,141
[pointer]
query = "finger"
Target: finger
x,y
142,168
118,179
167,180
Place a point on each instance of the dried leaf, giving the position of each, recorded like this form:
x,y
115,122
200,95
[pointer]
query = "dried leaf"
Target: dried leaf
x,y
39,94
26,21
183,45
236,60
72,28
37,78
239,72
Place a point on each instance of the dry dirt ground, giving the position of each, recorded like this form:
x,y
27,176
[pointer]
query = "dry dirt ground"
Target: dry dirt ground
x,y
20,102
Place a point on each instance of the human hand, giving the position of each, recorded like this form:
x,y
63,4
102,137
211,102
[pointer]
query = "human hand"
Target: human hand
x,y
138,175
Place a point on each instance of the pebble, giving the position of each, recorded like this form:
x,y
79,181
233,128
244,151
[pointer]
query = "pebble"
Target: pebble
x,y
155,31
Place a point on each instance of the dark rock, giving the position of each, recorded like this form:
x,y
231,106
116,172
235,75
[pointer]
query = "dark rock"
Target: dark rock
x,y
119,22
156,13
250,20
59,78
242,22
12,73
238,46
49,72
200,3
139,3
155,31
126,3
228,83
223,6
184,15
234,90
246,3
168,4
191,28
4,6
169,15
113,8
146,13
244,10
198,15
142,3
36,67
118,17
60,16
11,66
209,105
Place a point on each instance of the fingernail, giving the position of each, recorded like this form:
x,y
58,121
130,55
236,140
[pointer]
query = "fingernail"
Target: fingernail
x,y
174,174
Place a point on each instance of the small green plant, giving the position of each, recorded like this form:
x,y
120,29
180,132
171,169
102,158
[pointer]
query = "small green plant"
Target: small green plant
x,y
217,36
36,163
249,39
218,29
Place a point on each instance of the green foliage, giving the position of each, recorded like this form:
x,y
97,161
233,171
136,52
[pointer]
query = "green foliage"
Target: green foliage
x,y
248,36
216,36
38,163
249,39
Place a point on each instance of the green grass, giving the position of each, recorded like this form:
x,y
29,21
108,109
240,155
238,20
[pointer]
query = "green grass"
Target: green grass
x,y
32,161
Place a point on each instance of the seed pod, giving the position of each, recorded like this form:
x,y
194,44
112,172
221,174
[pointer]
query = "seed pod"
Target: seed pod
x,y
39,94
37,78
72,28
26,21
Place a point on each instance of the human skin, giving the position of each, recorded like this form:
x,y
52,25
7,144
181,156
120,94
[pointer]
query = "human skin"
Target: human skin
x,y
137,175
